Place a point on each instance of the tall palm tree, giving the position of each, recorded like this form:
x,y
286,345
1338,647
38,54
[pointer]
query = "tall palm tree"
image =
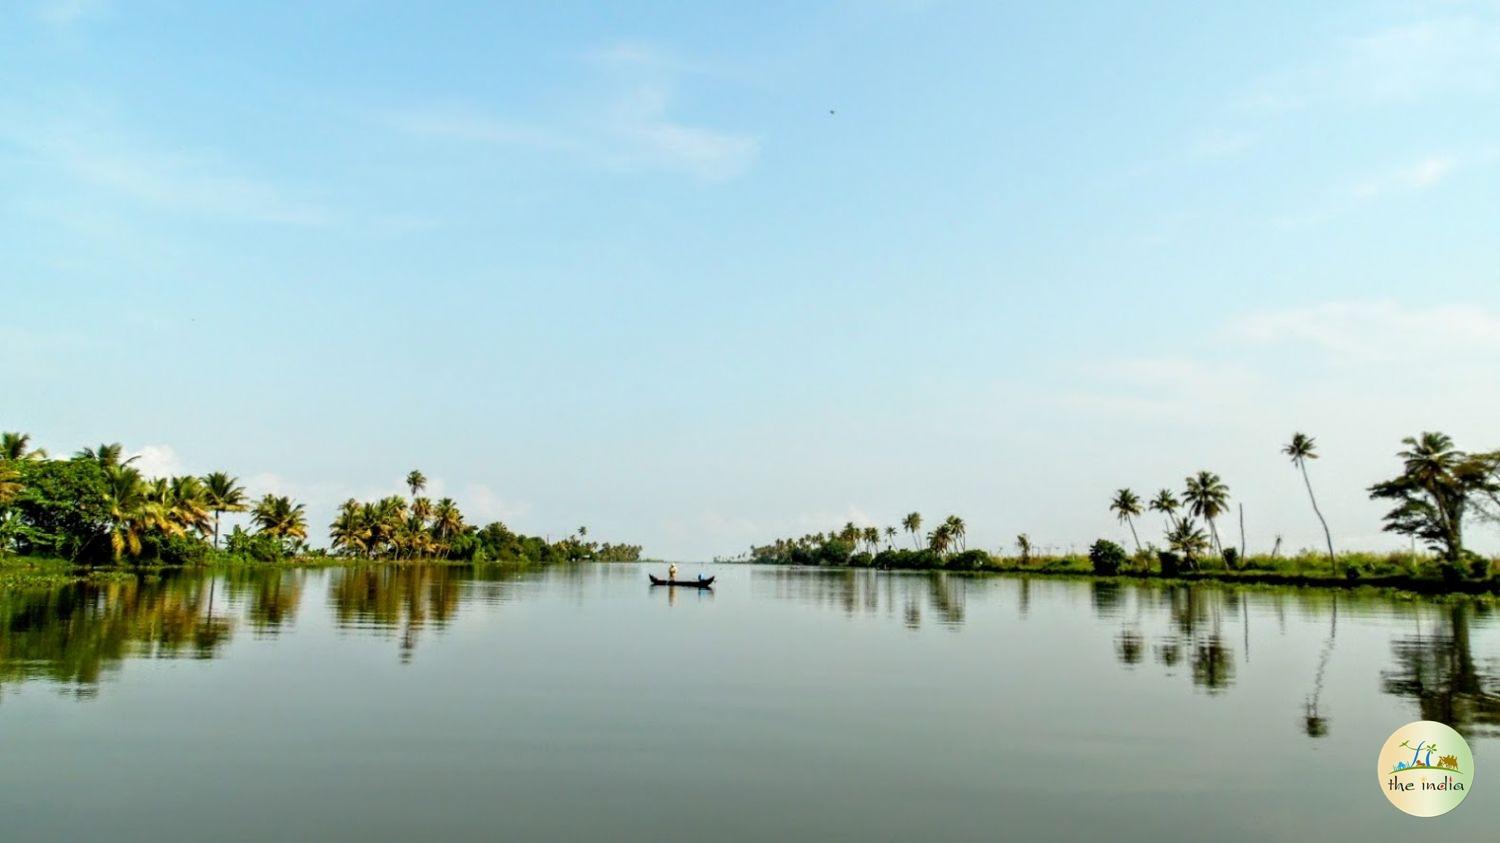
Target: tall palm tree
x,y
1207,497
349,533
133,510
279,517
188,506
1165,502
1126,507
447,521
1301,449
416,481
940,539
871,536
912,523
17,446
890,537
958,530
224,494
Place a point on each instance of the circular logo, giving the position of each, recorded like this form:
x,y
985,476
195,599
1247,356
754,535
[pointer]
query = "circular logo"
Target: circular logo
x,y
1425,768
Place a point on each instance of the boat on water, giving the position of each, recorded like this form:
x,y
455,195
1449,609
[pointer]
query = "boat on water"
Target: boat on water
x,y
698,583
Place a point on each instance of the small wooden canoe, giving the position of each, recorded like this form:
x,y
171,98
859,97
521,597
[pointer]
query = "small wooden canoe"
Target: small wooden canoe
x,y
698,583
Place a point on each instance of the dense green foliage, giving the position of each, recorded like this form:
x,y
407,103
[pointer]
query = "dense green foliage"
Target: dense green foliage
x,y
96,508
1106,557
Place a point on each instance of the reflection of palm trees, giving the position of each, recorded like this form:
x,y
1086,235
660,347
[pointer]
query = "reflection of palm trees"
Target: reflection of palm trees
x,y
1438,671
1313,721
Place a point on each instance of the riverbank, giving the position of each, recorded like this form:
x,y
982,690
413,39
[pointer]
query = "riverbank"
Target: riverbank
x,y
1421,573
19,573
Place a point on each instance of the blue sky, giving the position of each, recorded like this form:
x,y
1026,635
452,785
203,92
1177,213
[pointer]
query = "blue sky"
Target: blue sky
x,y
619,265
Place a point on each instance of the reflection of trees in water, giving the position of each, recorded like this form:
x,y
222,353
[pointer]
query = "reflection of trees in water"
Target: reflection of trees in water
x,y
1436,668
271,595
75,634
407,598
1313,721
854,592
1194,619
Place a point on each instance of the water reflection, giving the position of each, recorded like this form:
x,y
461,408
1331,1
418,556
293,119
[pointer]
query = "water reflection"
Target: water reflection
x,y
403,599
1436,667
75,635
1199,635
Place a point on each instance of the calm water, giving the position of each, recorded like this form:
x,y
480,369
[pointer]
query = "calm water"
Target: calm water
x,y
577,702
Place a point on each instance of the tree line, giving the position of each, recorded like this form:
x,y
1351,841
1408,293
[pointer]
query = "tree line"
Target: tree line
x,y
96,506
1438,488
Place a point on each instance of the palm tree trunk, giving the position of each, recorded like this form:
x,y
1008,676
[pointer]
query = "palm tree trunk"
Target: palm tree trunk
x,y
216,529
1133,535
1332,560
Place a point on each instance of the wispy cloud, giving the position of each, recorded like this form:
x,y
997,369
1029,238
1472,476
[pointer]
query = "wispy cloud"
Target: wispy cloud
x,y
196,182
69,12
1376,330
637,129
1399,62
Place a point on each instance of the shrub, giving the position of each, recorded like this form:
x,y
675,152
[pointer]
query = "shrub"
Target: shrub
x,y
861,560
1231,558
1171,563
969,560
1479,566
1106,557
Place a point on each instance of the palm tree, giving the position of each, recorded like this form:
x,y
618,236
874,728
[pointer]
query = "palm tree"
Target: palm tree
x,y
17,446
447,521
279,517
890,537
941,539
871,536
416,481
1301,449
958,530
106,455
187,504
224,494
912,523
1126,507
133,510
10,483
1187,539
1165,502
1207,497
349,532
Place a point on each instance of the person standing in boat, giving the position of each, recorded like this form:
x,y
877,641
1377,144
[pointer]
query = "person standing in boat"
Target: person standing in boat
x,y
672,572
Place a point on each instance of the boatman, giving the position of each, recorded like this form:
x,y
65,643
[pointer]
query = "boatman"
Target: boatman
x,y
672,572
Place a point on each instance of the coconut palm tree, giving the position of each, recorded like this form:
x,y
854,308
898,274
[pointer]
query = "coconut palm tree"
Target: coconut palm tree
x,y
1301,449
279,517
958,530
133,510
940,539
17,446
1166,503
1207,497
10,483
890,537
416,481
912,523
1438,485
349,533
447,522
1126,506
871,535
1187,539
224,494
106,455
188,506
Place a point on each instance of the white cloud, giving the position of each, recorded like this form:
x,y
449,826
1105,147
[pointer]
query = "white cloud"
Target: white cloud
x,y
1376,329
635,131
197,182
1399,62
158,461
1423,174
